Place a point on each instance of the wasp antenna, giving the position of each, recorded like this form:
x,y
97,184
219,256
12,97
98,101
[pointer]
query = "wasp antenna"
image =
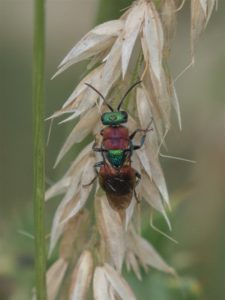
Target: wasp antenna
x,y
93,88
127,92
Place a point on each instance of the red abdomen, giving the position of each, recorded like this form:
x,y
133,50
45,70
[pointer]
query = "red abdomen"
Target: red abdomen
x,y
119,185
118,182
115,137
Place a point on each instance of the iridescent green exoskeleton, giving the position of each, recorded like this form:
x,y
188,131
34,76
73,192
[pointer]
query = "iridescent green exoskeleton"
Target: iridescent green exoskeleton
x,y
114,118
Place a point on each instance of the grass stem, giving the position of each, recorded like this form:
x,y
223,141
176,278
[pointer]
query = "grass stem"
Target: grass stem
x,y
39,147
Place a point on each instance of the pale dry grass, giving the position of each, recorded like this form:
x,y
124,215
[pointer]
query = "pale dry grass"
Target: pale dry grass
x,y
120,52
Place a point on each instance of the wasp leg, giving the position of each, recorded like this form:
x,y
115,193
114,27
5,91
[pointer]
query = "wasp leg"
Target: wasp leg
x,y
97,149
97,165
136,147
135,132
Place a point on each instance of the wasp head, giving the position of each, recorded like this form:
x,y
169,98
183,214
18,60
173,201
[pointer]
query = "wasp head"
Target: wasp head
x,y
114,118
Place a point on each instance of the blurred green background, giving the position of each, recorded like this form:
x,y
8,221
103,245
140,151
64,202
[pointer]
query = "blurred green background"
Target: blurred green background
x,y
197,190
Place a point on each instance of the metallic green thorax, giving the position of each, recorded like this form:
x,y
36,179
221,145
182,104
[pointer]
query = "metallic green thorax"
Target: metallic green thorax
x,y
116,157
114,118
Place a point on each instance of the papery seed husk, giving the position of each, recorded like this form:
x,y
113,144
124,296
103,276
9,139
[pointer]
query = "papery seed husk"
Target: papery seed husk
x,y
146,253
100,284
129,212
144,160
153,101
133,263
153,35
211,5
111,229
112,68
112,294
176,105
73,188
131,124
200,13
118,283
84,190
157,174
83,104
131,30
85,152
65,212
57,225
68,181
152,197
109,28
81,277
157,93
95,60
74,234
168,17
163,96
95,41
55,276
207,6
72,102
59,188
80,131
146,117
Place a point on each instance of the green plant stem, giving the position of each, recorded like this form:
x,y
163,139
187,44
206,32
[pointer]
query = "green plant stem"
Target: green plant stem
x,y
39,147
